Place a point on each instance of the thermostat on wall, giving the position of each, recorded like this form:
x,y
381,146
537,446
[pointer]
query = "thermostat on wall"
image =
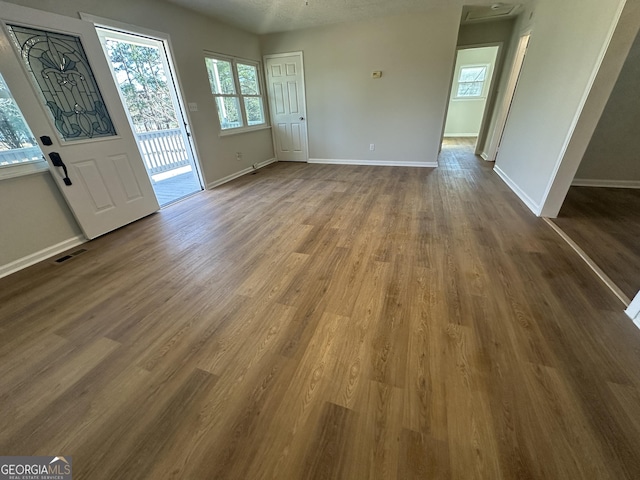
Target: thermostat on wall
x,y
376,74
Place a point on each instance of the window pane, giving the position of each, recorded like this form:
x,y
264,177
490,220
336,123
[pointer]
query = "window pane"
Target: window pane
x,y
220,76
61,70
248,76
472,74
255,114
17,143
229,112
471,89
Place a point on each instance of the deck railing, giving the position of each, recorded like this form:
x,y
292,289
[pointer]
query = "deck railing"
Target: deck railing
x,y
20,155
163,150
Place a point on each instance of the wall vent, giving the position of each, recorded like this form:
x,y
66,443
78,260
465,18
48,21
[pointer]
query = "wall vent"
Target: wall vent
x,y
70,255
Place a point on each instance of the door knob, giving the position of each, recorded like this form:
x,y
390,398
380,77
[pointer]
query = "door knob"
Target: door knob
x,y
301,118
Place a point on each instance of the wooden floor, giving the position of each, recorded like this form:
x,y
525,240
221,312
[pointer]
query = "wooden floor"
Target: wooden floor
x,y
322,321
605,223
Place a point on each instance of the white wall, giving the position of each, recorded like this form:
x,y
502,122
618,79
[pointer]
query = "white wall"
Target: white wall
x,y
612,157
623,37
33,217
29,200
464,115
567,43
402,113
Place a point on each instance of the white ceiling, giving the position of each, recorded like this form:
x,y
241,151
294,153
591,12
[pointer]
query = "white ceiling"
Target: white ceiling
x,y
267,16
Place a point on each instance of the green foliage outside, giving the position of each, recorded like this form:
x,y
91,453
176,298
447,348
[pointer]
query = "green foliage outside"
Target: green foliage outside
x,y
140,75
221,81
14,133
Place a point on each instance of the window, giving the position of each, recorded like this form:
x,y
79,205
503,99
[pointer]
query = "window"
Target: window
x,y
19,152
471,81
236,86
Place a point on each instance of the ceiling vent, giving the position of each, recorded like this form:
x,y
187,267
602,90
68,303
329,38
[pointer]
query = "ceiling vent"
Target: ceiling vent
x,y
497,10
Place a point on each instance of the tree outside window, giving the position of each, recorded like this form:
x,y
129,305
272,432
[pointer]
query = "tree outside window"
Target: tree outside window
x,y
235,85
14,132
142,81
18,146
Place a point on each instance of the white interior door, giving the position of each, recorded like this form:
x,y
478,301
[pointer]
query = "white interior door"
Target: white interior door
x,y
55,68
285,84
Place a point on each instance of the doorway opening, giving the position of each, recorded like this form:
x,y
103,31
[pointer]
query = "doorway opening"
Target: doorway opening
x,y
142,71
470,89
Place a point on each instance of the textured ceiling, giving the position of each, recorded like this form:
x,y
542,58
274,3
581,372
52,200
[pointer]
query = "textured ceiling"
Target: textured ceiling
x,y
267,16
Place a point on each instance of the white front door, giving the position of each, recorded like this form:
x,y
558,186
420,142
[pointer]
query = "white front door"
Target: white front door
x,y
55,68
285,83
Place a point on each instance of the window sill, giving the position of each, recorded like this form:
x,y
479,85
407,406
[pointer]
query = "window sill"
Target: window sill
x,y
20,170
235,131
466,99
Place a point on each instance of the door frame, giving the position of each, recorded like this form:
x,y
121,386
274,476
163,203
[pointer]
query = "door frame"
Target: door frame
x,y
165,38
633,310
300,54
502,114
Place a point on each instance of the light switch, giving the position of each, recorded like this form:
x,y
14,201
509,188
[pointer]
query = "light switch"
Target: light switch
x,y
193,107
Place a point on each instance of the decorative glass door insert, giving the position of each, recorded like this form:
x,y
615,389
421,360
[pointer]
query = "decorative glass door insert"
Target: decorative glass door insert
x,y
60,69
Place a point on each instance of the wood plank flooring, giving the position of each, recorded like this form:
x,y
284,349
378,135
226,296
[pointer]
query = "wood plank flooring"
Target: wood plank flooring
x,y
605,224
317,321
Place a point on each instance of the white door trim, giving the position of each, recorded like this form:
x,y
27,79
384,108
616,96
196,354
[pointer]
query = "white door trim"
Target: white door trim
x,y
304,96
633,310
502,113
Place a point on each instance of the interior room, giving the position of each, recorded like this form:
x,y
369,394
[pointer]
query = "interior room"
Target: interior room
x,y
239,239
600,213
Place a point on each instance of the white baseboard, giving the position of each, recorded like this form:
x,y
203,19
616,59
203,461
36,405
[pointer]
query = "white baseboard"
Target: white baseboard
x,y
378,163
587,182
633,310
485,156
590,263
533,206
242,172
36,257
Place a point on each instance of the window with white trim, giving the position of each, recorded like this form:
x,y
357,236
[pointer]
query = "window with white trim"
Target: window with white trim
x,y
19,151
471,81
237,88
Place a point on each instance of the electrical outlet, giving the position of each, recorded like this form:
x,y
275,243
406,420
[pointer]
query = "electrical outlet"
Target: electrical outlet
x,y
238,155
372,146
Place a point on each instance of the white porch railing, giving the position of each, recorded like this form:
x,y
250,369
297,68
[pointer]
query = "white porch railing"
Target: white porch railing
x,y
163,150
20,155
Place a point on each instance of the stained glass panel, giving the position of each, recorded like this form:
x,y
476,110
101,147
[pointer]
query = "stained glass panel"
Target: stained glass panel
x,y
61,70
